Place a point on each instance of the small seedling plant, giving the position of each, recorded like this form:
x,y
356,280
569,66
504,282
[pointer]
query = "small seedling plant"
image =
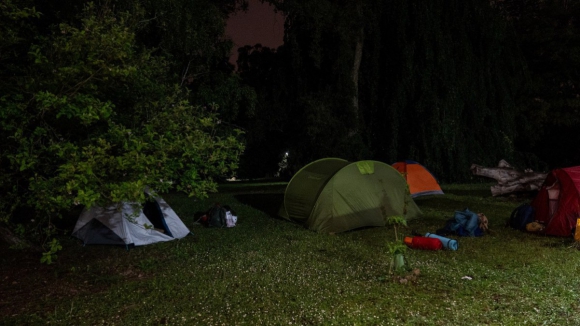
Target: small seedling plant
x,y
397,248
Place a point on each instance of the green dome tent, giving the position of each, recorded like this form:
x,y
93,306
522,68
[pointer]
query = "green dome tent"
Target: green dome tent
x,y
333,195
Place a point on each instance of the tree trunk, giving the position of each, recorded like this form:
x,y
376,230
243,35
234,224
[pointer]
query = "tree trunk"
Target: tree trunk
x,y
356,69
356,66
510,180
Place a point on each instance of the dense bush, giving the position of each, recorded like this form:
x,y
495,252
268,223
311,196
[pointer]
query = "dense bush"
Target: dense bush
x,y
89,115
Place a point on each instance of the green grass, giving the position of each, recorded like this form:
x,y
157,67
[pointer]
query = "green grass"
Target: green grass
x,y
267,271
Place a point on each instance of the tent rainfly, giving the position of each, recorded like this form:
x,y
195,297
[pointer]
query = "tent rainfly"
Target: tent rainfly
x,y
557,204
333,195
421,181
130,224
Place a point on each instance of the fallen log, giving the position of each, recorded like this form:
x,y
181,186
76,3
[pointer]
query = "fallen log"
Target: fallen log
x,y
510,180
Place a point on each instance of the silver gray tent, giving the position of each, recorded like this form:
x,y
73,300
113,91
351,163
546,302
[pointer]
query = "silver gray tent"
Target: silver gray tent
x,y
130,224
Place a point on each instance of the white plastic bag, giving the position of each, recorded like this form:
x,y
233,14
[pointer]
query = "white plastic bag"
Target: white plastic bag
x,y
231,220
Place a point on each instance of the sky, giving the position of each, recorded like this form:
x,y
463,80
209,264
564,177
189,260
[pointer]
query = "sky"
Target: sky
x,y
260,24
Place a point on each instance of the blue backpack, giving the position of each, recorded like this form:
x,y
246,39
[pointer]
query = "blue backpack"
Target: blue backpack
x,y
521,216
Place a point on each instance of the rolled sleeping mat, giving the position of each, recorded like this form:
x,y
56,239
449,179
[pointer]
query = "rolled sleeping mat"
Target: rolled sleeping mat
x,y
424,243
450,244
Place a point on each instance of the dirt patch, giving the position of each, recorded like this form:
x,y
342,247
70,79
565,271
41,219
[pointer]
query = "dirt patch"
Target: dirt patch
x,y
26,282
30,287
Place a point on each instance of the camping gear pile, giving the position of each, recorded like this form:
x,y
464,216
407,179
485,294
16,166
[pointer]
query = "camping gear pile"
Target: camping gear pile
x,y
465,223
218,216
521,217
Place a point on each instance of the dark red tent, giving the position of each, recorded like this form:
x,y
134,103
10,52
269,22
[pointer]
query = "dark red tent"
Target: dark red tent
x,y
557,204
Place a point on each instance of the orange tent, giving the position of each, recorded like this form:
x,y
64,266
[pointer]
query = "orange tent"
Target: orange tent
x,y
421,182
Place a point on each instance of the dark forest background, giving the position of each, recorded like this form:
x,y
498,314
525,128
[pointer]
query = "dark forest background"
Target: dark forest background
x,y
445,83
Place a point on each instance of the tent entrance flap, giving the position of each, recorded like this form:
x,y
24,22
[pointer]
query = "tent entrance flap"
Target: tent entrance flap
x,y
153,212
553,195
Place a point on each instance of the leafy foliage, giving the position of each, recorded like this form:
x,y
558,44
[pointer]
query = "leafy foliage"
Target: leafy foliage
x,y
49,256
94,116
397,248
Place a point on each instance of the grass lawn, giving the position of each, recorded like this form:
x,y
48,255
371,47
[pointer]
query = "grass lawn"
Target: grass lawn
x,y
267,271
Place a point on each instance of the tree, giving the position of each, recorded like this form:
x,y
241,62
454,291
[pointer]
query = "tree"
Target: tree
x,y
445,88
262,69
432,81
549,34
91,115
321,66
